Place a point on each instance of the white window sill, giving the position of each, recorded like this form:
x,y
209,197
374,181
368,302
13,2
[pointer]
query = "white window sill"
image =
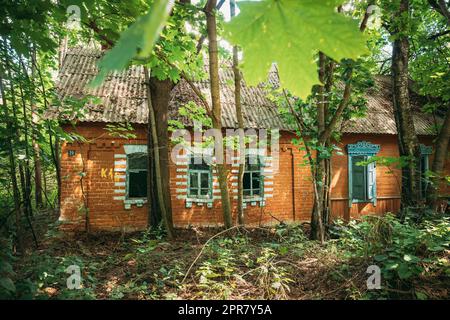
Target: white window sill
x,y
138,202
199,202
253,201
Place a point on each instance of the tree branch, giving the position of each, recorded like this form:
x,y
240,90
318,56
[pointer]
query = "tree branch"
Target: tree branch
x,y
441,7
342,105
202,38
94,27
437,35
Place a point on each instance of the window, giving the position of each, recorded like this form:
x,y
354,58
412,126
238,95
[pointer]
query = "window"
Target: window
x,y
200,181
252,180
362,185
423,176
137,175
424,167
363,178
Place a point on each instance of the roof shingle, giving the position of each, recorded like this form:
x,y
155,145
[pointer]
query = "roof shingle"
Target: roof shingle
x,y
123,98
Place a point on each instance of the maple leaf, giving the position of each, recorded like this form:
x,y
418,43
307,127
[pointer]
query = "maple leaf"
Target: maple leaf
x,y
290,33
137,41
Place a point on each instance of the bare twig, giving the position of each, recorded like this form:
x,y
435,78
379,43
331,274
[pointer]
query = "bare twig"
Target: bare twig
x,y
203,248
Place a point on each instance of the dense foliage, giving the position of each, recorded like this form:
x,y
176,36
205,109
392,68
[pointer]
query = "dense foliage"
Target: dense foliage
x,y
326,64
278,263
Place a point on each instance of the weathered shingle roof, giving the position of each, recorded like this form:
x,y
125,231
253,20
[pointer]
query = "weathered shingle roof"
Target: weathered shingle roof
x,y
123,97
380,112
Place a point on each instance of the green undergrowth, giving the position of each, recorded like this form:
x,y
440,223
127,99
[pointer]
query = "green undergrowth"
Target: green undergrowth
x,y
261,263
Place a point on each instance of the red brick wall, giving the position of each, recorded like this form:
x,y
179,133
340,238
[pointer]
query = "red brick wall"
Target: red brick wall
x,y
96,160
388,179
290,190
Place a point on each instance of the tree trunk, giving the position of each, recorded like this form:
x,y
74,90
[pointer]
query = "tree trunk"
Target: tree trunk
x,y
326,212
160,98
37,161
440,157
321,170
12,170
407,138
54,149
317,229
156,153
27,195
240,119
154,211
211,25
34,133
442,142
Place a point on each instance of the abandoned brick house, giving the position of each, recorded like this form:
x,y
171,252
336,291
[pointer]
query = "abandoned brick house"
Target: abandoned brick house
x,y
114,185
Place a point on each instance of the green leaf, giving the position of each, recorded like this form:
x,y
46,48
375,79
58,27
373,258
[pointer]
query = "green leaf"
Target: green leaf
x,y
5,267
137,41
7,284
380,257
404,271
391,266
290,33
421,296
411,258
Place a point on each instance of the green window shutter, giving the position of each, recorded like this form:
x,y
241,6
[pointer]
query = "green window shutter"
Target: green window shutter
x,y
424,167
358,179
371,181
362,179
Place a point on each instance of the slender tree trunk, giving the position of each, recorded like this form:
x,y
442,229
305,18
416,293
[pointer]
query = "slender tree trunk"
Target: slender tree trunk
x,y
440,157
326,214
317,229
156,153
14,131
17,133
37,161
54,149
154,211
34,133
27,195
321,213
240,119
407,138
442,142
12,170
211,25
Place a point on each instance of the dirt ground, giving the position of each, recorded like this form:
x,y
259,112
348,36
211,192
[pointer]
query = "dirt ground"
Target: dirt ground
x,y
259,263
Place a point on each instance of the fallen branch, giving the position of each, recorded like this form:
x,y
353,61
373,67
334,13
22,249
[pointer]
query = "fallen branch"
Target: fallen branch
x,y
203,248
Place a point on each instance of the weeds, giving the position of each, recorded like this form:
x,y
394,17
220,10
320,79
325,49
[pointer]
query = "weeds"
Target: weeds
x,y
405,252
275,263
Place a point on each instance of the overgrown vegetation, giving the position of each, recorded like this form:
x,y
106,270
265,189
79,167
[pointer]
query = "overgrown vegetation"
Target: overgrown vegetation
x,y
330,74
259,263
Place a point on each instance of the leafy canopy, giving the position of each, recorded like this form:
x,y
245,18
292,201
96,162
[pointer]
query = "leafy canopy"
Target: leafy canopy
x,y
290,33
137,41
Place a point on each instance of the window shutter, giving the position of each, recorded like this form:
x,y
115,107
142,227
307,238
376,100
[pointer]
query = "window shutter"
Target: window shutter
x,y
371,181
362,179
358,179
424,167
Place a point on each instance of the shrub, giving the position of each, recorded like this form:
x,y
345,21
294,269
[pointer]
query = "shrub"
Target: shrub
x,y
403,251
